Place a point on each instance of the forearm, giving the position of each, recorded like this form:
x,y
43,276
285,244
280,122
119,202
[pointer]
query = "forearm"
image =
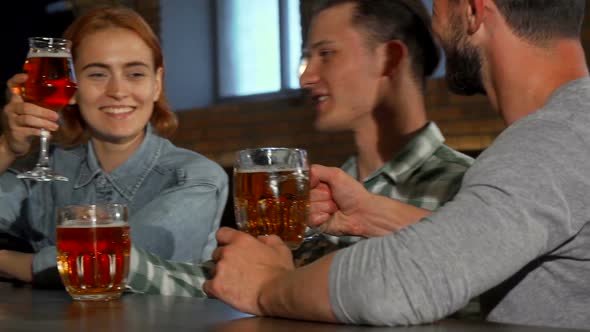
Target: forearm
x,y
383,216
300,294
16,265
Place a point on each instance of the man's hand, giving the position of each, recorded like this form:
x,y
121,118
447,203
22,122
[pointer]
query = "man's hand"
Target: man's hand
x,y
245,266
340,205
336,202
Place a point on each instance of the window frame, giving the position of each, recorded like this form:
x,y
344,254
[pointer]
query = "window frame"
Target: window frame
x,y
285,91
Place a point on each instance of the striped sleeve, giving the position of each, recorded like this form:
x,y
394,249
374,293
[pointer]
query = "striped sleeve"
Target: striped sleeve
x,y
149,274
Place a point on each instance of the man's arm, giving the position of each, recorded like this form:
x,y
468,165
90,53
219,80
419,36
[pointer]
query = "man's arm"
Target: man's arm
x,y
264,282
302,294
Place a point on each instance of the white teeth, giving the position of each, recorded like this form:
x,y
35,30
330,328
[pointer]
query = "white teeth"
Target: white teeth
x,y
322,98
117,110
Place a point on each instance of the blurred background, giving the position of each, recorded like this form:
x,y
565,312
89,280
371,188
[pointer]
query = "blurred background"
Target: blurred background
x,y
232,74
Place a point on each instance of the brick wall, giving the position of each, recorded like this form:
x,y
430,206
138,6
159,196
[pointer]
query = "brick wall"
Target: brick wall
x,y
219,131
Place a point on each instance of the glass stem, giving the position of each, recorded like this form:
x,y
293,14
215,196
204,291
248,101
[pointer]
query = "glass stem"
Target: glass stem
x,y
43,155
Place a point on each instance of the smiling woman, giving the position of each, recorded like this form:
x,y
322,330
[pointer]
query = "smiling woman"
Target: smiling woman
x,y
113,149
118,87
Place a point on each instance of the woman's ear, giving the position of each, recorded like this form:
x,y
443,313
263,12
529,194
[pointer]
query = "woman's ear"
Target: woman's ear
x,y
159,83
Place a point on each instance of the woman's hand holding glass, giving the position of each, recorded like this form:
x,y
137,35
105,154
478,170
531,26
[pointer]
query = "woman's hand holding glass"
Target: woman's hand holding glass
x,y
24,121
50,83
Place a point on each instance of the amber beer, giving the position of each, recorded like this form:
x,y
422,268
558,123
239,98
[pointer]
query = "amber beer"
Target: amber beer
x,y
51,80
272,202
93,252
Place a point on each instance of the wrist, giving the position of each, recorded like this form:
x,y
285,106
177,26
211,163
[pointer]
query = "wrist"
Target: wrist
x,y
269,296
16,265
5,149
379,216
368,217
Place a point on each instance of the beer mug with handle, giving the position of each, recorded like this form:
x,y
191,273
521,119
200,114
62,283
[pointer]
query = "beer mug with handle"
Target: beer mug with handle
x,y
271,192
93,246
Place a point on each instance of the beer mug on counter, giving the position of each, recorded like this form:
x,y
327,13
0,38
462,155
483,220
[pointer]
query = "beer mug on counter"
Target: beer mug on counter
x,y
271,193
93,246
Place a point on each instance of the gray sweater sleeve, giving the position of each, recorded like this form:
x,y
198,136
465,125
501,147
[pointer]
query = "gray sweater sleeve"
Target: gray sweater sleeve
x,y
522,198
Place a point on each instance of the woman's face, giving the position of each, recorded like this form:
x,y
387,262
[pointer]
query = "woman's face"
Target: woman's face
x,y
117,84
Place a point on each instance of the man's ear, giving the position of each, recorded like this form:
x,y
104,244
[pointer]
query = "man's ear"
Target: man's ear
x,y
395,53
474,15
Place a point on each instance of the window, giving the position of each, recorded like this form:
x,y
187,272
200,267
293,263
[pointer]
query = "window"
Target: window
x,y
440,70
258,46
220,49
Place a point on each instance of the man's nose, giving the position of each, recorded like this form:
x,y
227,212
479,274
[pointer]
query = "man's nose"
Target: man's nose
x,y
308,77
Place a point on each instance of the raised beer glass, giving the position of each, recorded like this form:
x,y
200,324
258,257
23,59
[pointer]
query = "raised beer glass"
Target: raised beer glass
x,y
271,193
51,84
93,246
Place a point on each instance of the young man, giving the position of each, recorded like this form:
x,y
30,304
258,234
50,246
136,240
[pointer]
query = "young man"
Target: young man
x,y
367,62
519,222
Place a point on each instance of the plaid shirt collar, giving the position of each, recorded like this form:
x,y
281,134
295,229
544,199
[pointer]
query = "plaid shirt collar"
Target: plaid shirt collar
x,y
413,155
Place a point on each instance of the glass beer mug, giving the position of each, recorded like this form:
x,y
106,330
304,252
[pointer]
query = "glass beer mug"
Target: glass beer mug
x,y
51,83
271,193
93,246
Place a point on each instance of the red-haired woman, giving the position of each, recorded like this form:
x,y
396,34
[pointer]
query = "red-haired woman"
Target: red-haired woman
x,y
113,149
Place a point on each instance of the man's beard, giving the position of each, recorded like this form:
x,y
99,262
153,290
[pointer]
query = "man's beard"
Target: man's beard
x,y
463,67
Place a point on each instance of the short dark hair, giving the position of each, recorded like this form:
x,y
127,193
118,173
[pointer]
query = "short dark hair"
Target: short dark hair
x,y
542,20
404,20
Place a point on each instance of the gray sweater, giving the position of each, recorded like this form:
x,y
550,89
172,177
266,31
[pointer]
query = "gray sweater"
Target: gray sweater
x,y
521,222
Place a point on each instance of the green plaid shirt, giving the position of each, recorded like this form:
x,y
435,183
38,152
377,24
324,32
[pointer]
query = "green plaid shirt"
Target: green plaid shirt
x,y
149,274
426,174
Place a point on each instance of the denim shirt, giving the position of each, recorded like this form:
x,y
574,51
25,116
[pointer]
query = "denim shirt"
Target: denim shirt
x,y
175,199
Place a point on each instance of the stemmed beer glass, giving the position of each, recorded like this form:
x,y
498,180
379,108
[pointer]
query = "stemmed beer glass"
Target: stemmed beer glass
x,y
51,84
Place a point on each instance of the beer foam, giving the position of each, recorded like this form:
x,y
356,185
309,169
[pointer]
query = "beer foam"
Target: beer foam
x,y
45,54
88,224
266,169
